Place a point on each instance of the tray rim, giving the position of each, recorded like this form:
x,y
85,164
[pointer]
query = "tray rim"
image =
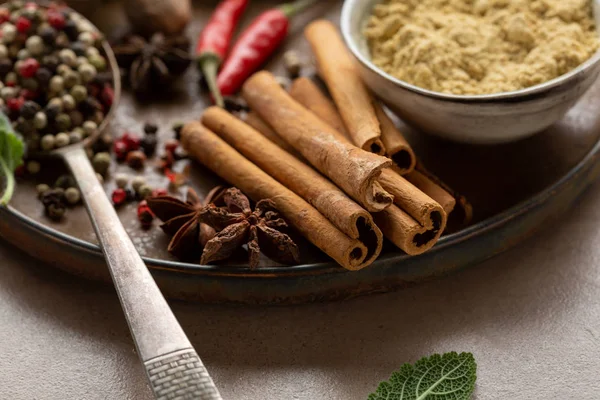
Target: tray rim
x,y
330,267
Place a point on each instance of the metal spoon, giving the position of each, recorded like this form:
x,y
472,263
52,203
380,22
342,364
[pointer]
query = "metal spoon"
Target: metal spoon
x,y
173,367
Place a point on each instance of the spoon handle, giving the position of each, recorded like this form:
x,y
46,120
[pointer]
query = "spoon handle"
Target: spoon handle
x,y
172,365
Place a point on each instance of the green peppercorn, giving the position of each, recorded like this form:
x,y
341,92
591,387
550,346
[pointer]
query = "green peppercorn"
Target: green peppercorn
x,y
62,139
121,180
3,51
145,191
75,137
92,51
68,102
23,54
101,163
87,72
33,167
65,182
30,84
63,122
40,120
72,196
137,183
48,142
76,118
57,84
35,45
42,188
11,78
79,93
71,79
56,211
68,57
98,61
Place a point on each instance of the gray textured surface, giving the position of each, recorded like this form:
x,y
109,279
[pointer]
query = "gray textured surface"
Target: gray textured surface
x,y
530,316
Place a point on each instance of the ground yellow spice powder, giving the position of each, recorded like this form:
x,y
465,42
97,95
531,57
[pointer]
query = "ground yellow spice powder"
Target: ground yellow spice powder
x,y
480,46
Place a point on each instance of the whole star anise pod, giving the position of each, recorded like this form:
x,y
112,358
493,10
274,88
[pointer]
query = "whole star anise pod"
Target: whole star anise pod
x,y
237,224
153,63
181,221
232,226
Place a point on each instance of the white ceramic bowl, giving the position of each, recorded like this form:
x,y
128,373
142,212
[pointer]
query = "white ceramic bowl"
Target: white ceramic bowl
x,y
481,119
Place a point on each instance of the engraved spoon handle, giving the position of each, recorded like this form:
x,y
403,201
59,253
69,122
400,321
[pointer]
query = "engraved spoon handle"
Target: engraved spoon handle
x,y
173,368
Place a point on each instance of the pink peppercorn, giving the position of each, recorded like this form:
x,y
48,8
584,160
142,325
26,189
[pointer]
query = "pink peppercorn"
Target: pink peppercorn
x,y
171,145
29,94
144,214
56,19
23,24
4,15
120,150
132,141
119,197
107,96
29,67
15,103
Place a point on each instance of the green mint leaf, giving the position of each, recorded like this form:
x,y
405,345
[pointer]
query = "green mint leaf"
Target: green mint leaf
x,y
447,377
11,156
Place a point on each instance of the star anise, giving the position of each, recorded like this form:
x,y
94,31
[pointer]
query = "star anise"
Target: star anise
x,y
153,63
221,230
181,221
237,224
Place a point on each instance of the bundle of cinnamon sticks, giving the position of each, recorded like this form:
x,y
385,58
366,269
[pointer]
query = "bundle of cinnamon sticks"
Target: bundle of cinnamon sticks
x,y
339,171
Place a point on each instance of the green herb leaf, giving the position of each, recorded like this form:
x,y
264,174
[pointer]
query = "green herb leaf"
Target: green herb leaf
x,y
448,377
11,156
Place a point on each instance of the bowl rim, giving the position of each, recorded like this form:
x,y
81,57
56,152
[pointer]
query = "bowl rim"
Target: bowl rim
x,y
348,37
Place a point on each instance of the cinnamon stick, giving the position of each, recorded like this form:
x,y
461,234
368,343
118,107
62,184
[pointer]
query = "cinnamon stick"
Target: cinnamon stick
x,y
462,214
306,92
406,233
349,93
354,170
396,146
436,192
426,211
259,124
221,158
332,202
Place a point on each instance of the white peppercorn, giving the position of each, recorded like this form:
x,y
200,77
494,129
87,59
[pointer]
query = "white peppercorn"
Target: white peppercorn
x,y
71,79
75,137
57,84
137,183
121,180
3,51
87,72
42,188
62,140
35,45
86,38
79,93
62,69
68,56
9,32
40,120
23,54
68,102
89,127
92,51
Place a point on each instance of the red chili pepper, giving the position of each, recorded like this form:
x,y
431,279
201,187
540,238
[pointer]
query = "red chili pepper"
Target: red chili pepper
x,y
256,44
214,41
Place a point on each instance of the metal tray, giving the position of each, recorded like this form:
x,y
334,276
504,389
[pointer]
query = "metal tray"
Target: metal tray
x,y
515,189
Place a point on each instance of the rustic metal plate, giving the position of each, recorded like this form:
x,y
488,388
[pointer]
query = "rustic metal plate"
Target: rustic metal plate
x,y
514,189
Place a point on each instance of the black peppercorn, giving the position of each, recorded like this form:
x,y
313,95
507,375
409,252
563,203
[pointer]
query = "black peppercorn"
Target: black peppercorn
x,y
104,143
148,144
5,66
52,111
131,196
56,211
89,106
78,48
150,129
71,30
28,109
43,75
177,129
235,104
24,126
48,34
65,182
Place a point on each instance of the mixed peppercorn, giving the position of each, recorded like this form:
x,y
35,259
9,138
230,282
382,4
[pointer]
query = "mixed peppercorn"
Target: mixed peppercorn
x,y
55,85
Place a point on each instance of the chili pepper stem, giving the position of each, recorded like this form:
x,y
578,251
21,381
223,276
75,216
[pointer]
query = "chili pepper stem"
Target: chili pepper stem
x,y
291,9
209,65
